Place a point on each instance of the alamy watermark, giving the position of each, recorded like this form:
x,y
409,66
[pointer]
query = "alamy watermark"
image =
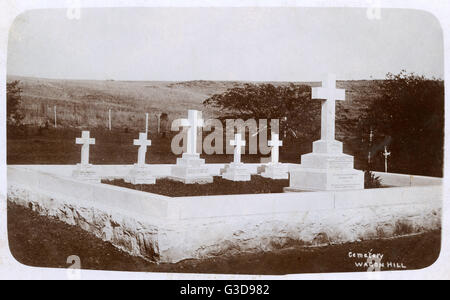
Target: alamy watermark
x,y
218,140
374,10
74,9
74,269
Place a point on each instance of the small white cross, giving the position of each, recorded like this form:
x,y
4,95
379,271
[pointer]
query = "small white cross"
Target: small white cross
x,y
238,143
193,122
86,141
275,143
386,155
143,143
330,94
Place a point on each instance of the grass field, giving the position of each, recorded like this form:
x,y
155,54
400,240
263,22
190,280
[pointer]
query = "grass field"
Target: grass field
x,y
85,104
43,242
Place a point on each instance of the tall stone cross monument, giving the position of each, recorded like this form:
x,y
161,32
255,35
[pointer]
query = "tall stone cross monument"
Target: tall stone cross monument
x,y
328,94
193,123
191,168
327,168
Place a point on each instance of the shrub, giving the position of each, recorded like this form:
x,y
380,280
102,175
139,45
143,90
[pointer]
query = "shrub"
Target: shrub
x,y
13,102
403,228
408,116
291,104
371,181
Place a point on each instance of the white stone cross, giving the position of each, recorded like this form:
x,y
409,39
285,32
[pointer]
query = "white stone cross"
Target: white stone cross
x,y
193,122
275,143
143,143
86,141
386,155
330,94
238,143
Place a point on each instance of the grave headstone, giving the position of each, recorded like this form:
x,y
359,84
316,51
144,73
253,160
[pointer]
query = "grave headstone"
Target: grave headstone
x,y
274,169
327,168
85,171
141,172
236,171
191,168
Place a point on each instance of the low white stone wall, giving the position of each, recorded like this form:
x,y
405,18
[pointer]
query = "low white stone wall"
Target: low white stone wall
x,y
128,219
121,171
391,179
172,229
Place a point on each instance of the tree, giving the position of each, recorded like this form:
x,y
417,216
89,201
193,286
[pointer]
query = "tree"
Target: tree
x,y
13,102
409,115
291,104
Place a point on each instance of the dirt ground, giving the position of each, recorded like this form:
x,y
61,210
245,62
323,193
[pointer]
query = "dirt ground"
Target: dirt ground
x,y
170,188
40,241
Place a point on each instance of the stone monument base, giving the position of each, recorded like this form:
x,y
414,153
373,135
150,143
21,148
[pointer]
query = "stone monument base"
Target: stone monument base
x,y
237,172
304,179
86,173
140,175
276,171
191,169
326,169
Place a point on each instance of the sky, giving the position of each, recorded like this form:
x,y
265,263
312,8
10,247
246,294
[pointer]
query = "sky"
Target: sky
x,y
248,44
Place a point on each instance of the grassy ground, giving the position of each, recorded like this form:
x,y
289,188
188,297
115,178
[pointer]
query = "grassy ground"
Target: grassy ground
x,y
258,185
31,145
43,242
57,146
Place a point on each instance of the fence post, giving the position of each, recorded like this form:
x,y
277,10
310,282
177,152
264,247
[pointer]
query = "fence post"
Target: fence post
x,y
159,123
110,121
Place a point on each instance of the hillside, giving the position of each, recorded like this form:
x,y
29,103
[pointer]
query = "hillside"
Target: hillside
x,y
82,103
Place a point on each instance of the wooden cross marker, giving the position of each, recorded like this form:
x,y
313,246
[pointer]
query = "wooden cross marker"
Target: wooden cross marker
x,y
386,154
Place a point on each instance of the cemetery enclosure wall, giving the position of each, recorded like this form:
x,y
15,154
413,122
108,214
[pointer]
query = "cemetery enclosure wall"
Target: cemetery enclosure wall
x,y
161,171
120,171
172,229
391,179
129,219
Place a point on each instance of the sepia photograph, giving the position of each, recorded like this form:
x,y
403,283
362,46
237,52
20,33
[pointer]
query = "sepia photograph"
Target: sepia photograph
x,y
225,140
